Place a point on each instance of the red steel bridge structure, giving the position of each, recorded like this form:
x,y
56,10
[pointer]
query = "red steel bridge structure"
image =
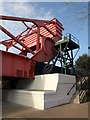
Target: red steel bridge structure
x,y
40,41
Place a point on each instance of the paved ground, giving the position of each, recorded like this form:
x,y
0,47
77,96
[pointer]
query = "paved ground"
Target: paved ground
x,y
65,111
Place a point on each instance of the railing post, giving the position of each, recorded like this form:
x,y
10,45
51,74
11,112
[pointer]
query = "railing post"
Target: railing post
x,y
69,36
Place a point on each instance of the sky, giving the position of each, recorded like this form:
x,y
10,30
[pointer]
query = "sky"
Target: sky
x,y
72,15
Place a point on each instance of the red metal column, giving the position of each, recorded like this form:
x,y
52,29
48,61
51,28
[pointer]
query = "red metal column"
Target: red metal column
x,y
38,39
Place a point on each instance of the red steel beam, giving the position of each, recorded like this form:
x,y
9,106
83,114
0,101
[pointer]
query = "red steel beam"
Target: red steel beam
x,y
22,67
17,40
49,31
37,22
38,39
17,47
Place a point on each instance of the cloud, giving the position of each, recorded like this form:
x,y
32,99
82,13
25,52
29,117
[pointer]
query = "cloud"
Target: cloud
x,y
25,9
22,9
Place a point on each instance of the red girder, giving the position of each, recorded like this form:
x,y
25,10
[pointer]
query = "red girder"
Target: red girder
x,y
36,22
13,37
16,66
37,39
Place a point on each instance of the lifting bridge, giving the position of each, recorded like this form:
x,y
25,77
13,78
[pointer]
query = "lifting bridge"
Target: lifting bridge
x,y
46,44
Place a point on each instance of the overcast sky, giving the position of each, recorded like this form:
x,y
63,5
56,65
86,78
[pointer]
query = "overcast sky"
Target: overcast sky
x,y
71,15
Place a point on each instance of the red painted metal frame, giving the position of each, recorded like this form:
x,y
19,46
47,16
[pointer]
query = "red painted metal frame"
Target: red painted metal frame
x,y
37,39
16,66
32,41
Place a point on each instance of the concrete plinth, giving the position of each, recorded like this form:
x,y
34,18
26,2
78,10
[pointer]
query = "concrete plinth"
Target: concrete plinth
x,y
44,92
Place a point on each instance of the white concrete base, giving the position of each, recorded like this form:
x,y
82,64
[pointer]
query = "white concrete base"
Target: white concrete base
x,y
44,92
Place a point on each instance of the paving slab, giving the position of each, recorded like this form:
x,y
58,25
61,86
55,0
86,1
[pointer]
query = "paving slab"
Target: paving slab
x,y
10,110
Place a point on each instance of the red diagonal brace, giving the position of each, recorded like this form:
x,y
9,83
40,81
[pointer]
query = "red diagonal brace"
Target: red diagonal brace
x,y
17,40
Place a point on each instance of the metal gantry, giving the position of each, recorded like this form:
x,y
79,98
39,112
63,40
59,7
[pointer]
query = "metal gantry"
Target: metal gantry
x,y
63,55
44,41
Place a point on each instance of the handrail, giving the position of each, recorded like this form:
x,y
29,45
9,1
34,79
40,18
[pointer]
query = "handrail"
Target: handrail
x,y
75,85
71,37
71,88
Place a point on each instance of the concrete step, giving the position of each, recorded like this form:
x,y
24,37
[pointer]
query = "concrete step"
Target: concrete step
x,y
44,92
37,99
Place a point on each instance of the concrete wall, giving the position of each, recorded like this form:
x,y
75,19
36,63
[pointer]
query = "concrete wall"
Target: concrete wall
x,y
44,92
41,82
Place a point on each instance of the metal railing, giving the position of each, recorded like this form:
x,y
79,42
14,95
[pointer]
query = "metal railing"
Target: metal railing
x,y
71,37
71,88
82,92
